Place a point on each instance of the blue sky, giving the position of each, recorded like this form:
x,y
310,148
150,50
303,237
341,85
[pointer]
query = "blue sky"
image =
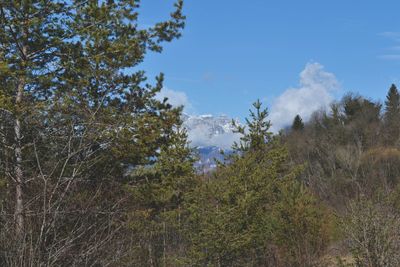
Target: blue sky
x,y
233,52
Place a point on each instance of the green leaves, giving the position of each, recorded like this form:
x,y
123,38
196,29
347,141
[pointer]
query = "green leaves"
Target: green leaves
x,y
392,116
298,124
256,134
88,118
254,210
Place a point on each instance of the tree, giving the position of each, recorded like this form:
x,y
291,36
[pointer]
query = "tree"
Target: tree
x,y
75,117
254,211
159,219
392,103
392,115
257,134
29,35
373,233
358,113
298,124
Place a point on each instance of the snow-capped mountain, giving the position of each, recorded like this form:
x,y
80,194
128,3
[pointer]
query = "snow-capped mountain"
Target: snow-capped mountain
x,y
216,125
208,157
209,130
210,135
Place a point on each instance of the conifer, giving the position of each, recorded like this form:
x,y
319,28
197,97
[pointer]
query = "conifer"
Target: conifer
x,y
76,116
392,115
298,124
256,133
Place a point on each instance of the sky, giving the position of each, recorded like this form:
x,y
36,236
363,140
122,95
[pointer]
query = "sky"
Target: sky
x,y
295,56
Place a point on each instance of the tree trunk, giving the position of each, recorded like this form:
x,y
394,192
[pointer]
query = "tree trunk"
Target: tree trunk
x,y
19,175
18,169
151,263
164,243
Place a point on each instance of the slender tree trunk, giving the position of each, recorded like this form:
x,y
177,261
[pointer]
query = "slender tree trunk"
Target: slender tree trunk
x,y
180,231
18,169
4,151
19,175
165,242
151,263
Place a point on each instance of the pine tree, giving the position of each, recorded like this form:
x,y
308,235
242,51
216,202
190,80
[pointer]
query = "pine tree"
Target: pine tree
x,y
79,117
392,102
254,212
256,133
298,124
161,198
30,35
392,115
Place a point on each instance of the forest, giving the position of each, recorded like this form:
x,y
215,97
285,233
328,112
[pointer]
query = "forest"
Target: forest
x,y
96,171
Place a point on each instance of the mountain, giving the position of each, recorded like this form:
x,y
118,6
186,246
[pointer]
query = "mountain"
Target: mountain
x,y
208,157
210,135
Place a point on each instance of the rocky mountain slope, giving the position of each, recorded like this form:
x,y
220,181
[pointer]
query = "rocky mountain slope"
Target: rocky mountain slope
x,y
210,135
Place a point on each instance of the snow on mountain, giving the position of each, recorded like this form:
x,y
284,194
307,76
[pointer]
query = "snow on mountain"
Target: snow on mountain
x,y
208,157
209,130
210,135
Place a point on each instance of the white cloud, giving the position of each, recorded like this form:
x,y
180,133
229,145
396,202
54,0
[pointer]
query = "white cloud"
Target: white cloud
x,y
200,136
209,130
391,35
314,92
201,133
390,57
394,37
175,98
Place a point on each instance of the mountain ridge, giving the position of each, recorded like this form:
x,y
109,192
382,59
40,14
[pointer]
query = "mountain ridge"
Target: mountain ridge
x,y
210,135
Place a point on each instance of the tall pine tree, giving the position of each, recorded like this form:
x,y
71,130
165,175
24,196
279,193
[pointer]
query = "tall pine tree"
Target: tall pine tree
x,y
159,219
76,116
298,124
256,133
392,115
254,212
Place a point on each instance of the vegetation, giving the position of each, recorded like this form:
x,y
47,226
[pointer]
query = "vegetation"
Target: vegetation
x,y
298,124
95,171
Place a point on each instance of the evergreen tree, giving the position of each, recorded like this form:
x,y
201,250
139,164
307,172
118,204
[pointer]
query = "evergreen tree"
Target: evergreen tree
x,y
392,115
74,122
30,37
254,212
392,102
255,134
298,124
160,218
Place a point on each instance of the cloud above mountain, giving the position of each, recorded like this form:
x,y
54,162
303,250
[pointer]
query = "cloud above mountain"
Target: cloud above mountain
x,y
175,98
315,91
203,130
200,136
209,130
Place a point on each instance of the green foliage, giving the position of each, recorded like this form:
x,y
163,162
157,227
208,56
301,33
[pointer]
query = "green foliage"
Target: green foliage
x,y
69,75
106,175
352,156
392,103
257,133
392,115
303,226
297,124
159,217
254,211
